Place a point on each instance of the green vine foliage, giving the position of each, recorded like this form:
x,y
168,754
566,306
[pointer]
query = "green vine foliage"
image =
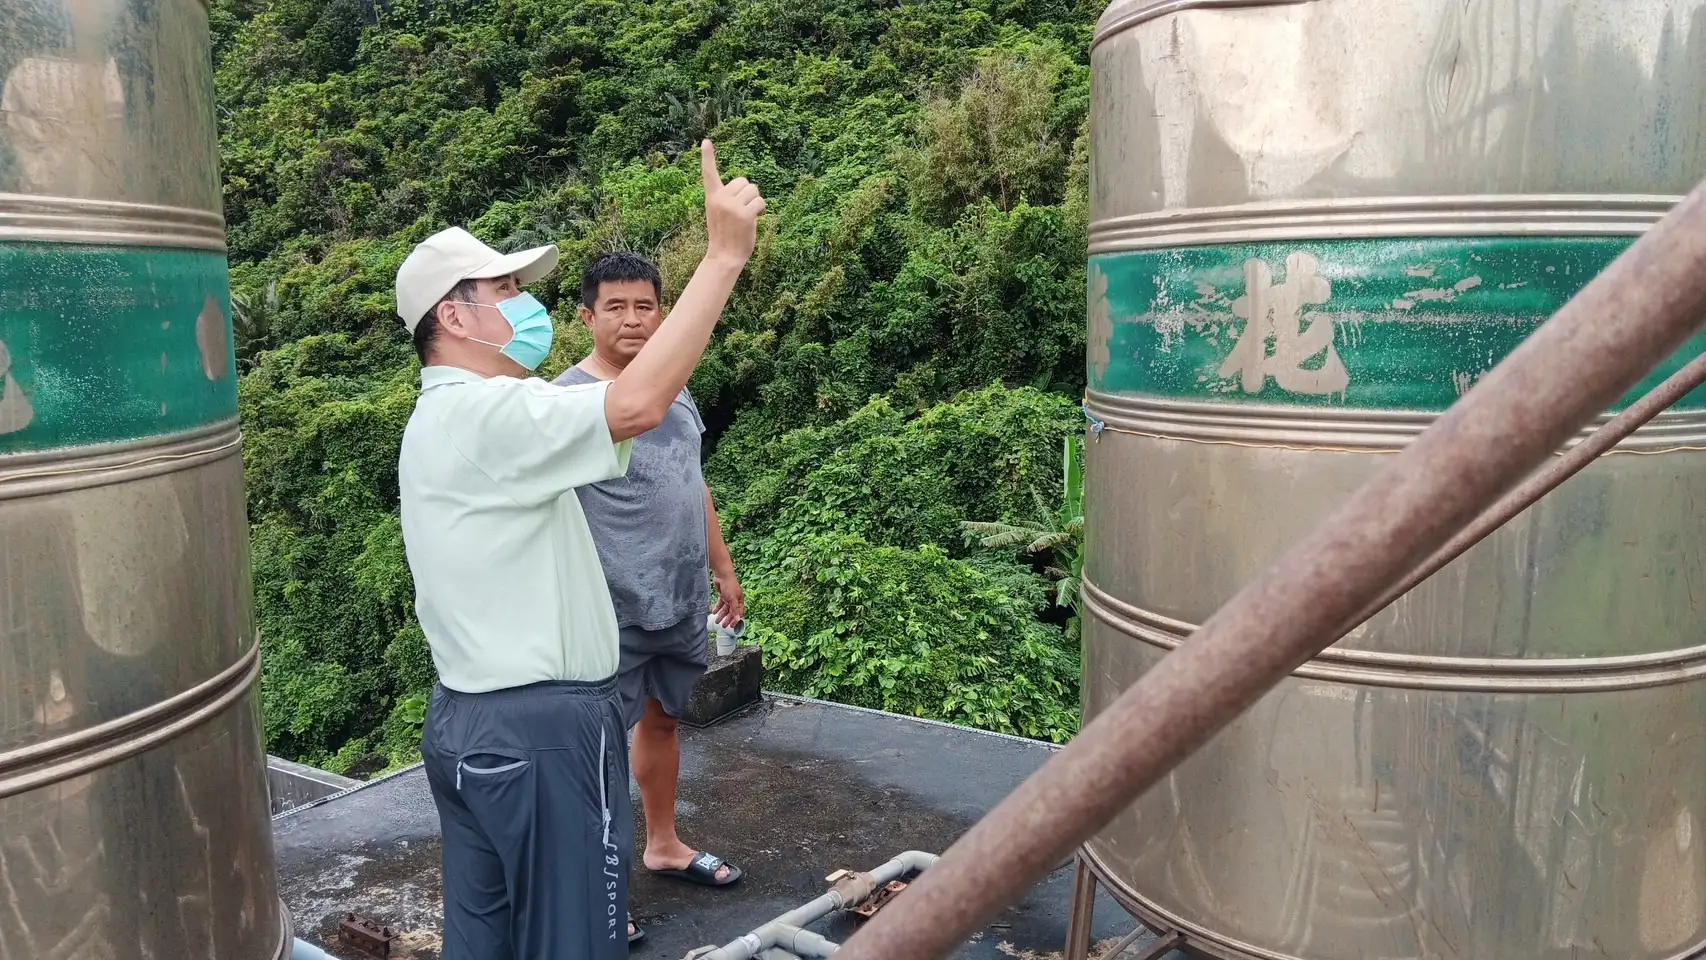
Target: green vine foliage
x,y
903,353
914,632
892,478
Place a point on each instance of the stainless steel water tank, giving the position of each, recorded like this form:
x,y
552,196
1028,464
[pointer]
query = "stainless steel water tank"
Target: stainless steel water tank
x,y
133,801
1314,225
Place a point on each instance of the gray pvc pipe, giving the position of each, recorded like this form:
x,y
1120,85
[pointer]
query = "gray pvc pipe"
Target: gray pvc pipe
x,y
787,930
804,943
303,950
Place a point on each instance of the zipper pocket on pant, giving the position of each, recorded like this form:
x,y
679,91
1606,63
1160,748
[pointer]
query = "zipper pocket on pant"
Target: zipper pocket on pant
x,y
462,765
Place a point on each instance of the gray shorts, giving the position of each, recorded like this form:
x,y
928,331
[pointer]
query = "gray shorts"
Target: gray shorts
x,y
662,665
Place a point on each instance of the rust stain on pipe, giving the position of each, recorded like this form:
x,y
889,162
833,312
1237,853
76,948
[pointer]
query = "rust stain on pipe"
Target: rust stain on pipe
x,y
1630,318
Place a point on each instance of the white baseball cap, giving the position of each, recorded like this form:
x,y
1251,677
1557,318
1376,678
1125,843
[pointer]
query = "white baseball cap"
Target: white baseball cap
x,y
451,256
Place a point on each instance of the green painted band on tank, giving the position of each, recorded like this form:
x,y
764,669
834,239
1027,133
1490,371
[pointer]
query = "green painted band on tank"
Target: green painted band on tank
x,y
1393,324
105,344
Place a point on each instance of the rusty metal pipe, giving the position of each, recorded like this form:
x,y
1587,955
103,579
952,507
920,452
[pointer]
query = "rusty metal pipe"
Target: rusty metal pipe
x,y
1678,385
1630,318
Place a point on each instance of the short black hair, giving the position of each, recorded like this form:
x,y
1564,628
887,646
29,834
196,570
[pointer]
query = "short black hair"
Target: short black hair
x,y
618,268
426,332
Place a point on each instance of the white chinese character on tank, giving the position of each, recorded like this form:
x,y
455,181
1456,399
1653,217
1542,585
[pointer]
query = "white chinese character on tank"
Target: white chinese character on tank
x,y
1274,311
1101,321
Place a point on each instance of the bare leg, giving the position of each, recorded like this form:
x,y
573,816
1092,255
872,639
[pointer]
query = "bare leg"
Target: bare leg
x,y
657,767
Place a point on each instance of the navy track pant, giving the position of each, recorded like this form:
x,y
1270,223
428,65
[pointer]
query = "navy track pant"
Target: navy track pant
x,y
531,785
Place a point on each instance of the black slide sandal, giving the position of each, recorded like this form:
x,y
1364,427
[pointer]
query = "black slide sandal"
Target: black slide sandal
x,y
637,935
703,871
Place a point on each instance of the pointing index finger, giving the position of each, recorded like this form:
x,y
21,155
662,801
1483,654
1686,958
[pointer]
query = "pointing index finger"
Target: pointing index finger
x,y
708,166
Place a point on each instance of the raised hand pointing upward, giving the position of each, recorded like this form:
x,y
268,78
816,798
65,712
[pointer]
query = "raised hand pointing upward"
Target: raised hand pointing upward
x,y
731,211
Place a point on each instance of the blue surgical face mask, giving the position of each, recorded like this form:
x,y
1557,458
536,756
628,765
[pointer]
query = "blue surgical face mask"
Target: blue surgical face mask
x,y
531,323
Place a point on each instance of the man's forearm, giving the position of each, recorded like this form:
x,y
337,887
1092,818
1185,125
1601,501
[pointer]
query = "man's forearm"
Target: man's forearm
x,y
641,395
722,562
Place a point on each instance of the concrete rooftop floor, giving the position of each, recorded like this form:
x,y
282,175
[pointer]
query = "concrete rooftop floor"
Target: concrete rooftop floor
x,y
789,789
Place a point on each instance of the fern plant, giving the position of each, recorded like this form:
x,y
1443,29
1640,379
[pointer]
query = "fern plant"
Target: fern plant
x,y
1059,538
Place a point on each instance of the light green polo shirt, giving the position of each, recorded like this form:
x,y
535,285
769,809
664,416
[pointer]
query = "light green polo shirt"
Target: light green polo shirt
x,y
508,587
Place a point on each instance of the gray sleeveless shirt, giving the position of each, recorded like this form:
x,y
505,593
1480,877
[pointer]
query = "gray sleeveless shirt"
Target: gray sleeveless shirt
x,y
649,526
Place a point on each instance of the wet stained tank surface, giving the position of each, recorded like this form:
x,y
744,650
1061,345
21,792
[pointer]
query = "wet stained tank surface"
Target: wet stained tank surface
x,y
790,790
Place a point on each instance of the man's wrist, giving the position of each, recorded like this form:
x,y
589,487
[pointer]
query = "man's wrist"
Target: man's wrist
x,y
723,261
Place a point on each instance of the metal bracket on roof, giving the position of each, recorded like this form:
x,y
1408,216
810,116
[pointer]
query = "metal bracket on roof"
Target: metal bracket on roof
x,y
369,936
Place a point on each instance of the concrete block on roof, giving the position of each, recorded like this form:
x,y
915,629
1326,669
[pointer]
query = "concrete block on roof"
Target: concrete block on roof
x,y
730,684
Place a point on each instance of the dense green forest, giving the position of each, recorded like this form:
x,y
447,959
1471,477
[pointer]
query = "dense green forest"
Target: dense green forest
x,y
903,355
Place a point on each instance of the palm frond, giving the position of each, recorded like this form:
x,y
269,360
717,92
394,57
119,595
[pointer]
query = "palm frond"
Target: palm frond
x,y
1049,540
996,535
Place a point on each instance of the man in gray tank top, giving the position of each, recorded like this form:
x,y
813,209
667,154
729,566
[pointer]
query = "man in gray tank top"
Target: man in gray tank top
x,y
659,541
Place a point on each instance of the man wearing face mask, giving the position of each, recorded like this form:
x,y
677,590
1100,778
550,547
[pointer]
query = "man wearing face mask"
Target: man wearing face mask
x,y
524,742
